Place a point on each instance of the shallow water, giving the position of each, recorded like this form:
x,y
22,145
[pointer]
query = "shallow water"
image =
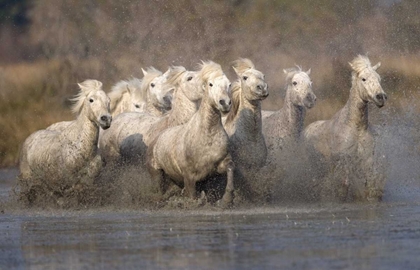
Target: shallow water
x,y
352,236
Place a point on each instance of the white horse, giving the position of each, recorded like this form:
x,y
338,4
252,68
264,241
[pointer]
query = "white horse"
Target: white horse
x,y
126,96
344,145
288,121
243,123
286,162
152,95
189,153
63,159
157,92
131,133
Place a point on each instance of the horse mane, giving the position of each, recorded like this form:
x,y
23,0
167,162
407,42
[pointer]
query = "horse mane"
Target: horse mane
x,y
117,92
149,75
359,63
290,72
236,99
209,70
86,88
175,75
242,64
131,86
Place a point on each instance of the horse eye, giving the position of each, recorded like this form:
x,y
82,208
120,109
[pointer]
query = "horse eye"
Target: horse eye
x,y
137,106
294,83
363,79
245,78
152,85
211,85
230,85
90,100
189,78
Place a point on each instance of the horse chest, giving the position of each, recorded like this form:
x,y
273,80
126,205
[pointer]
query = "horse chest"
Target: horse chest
x,y
205,156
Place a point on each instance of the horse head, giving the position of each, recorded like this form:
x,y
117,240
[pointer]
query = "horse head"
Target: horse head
x,y
159,94
299,87
367,81
253,84
216,85
93,103
137,102
186,82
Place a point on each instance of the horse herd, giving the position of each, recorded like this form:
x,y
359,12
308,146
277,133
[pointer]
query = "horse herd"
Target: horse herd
x,y
197,131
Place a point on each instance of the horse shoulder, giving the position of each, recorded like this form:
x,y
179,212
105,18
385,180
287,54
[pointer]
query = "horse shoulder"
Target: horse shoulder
x,y
272,124
265,114
42,148
59,126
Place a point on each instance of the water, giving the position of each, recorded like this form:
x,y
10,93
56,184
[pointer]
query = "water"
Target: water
x,y
351,236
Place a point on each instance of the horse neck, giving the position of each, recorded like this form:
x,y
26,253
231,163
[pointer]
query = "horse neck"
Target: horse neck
x,y
210,117
294,116
182,108
84,133
355,112
249,116
151,108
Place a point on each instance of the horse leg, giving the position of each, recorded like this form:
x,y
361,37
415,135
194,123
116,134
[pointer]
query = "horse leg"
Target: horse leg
x,y
189,187
228,166
158,176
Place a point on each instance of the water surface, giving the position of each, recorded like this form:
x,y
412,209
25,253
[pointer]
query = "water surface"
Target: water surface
x,y
351,236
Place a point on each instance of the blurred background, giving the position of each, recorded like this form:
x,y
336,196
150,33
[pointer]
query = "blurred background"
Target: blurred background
x,y
48,46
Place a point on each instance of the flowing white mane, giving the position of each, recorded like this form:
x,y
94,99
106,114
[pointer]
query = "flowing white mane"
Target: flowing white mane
x,y
360,63
175,75
210,70
242,65
86,88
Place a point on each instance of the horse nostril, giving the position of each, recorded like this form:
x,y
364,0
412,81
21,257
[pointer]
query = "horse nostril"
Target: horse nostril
x,y
222,102
104,118
380,97
167,99
230,102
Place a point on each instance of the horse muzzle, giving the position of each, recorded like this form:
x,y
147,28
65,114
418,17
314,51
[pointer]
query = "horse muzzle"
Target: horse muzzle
x,y
309,101
380,99
262,91
225,106
105,121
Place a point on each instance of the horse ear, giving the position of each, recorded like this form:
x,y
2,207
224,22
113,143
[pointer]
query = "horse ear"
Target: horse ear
x,y
129,89
171,91
89,84
166,74
375,67
308,72
98,84
236,71
144,72
351,65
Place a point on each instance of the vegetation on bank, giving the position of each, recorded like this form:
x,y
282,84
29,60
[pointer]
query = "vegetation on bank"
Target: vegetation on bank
x,y
48,46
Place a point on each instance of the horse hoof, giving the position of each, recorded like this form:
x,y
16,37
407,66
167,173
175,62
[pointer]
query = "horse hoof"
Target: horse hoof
x,y
226,202
203,199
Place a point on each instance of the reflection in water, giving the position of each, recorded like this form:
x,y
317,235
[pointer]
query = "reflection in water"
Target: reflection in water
x,y
359,237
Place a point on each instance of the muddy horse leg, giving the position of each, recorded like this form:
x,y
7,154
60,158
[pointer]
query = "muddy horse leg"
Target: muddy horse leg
x,y
190,190
158,176
228,166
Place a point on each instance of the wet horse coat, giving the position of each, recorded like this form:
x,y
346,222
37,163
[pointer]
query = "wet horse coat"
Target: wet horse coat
x,y
64,158
192,152
344,145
